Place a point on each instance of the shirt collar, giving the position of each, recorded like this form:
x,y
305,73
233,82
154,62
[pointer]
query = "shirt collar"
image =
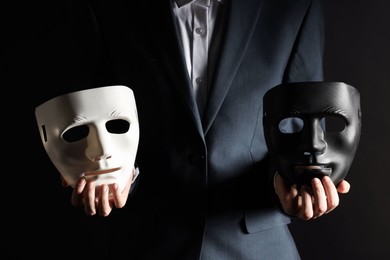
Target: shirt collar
x,y
180,3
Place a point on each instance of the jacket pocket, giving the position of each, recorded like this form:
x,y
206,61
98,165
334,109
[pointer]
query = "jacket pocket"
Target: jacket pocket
x,y
262,219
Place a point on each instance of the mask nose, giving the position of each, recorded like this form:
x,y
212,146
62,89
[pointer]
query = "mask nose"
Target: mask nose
x,y
99,144
314,139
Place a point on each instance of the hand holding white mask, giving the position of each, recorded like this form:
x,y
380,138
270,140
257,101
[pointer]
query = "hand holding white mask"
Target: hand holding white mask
x,y
92,133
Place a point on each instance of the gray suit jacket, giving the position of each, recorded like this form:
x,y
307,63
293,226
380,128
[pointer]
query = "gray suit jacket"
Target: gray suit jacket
x,y
205,185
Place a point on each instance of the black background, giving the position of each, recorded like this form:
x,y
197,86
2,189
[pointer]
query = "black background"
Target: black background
x,y
37,217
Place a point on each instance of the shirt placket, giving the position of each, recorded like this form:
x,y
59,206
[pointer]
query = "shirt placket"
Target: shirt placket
x,y
200,52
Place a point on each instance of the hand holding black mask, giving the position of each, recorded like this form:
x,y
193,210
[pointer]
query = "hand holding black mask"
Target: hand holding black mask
x,y
312,129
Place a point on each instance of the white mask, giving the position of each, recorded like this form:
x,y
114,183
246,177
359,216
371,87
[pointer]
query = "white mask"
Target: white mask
x,y
91,133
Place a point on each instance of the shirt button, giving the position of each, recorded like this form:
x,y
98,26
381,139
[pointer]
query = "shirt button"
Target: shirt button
x,y
199,31
199,81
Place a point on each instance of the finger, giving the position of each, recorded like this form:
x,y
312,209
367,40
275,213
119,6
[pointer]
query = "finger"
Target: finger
x,y
104,204
331,193
89,198
283,193
320,198
306,211
292,202
281,189
343,187
77,198
120,197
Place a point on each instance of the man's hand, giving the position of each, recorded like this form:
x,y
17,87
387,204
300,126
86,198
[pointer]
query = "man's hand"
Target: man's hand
x,y
310,202
100,199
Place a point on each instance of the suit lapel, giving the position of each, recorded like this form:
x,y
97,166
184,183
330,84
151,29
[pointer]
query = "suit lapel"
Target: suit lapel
x,y
233,48
241,21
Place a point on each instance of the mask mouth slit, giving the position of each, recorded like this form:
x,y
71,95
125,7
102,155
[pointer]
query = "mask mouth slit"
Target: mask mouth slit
x,y
313,169
99,172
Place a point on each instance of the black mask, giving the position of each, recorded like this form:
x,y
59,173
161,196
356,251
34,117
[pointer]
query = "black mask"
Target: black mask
x,y
312,129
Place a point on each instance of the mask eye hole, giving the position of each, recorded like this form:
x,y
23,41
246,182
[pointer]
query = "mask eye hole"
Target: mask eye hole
x,y
290,125
333,123
117,126
75,133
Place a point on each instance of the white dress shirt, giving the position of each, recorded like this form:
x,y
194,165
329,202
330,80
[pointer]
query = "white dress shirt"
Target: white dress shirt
x,y
197,22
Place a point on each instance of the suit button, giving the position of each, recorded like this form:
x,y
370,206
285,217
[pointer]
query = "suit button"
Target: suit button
x,y
195,157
